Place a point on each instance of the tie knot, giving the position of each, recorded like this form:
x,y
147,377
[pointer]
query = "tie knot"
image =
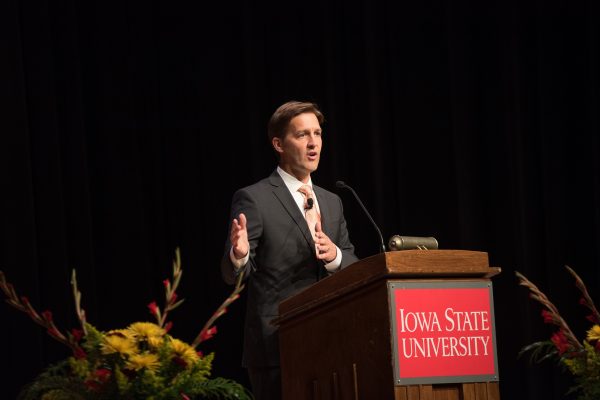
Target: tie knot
x,y
308,196
306,191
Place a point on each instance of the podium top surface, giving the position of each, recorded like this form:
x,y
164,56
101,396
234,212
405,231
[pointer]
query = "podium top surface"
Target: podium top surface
x,y
433,262
406,264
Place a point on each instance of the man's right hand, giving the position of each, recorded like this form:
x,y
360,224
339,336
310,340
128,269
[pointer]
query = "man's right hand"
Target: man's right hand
x,y
239,237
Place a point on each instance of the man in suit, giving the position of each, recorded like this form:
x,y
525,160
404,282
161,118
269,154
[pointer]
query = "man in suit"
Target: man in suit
x,y
272,244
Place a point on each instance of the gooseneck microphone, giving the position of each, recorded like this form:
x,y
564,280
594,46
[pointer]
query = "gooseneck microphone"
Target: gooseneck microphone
x,y
342,185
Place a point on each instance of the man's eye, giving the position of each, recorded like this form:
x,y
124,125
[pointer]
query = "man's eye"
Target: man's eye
x,y
318,133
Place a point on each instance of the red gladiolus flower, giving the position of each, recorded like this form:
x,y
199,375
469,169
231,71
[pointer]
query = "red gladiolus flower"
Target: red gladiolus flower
x,y
173,298
93,385
166,283
548,318
168,326
103,374
77,334
560,341
153,308
208,333
47,315
79,353
592,318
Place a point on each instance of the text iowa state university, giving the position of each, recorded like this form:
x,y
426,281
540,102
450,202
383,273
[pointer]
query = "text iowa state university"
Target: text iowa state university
x,y
452,321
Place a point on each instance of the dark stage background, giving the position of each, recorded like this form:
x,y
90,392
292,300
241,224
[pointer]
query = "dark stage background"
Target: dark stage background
x,y
129,124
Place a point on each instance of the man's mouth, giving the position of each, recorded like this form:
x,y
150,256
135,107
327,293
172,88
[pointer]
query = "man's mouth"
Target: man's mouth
x,y
312,155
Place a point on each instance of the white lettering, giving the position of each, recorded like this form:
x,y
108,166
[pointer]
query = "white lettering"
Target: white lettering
x,y
424,321
448,316
462,321
445,346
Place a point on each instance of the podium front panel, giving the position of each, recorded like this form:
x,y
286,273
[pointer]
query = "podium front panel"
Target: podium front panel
x,y
442,332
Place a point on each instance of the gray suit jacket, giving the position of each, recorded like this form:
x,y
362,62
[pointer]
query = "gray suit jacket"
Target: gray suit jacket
x,y
282,257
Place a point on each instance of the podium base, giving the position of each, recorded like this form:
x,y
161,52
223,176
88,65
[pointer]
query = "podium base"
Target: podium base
x,y
455,391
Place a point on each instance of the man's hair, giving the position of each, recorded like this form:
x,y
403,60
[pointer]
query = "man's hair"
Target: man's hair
x,y
286,112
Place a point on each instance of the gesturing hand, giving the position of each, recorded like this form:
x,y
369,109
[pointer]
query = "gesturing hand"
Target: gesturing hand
x,y
239,237
326,250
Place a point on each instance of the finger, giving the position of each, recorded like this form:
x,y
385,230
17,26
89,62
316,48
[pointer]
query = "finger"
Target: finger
x,y
323,238
318,227
324,256
243,221
327,256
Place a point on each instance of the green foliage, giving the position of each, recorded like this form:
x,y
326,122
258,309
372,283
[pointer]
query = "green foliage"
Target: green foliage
x,y
165,369
586,369
60,382
54,384
140,362
580,358
221,388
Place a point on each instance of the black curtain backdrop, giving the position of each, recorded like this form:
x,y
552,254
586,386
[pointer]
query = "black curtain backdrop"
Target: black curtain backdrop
x,y
129,124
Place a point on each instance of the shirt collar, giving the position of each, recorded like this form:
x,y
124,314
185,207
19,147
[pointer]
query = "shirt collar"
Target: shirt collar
x,y
292,183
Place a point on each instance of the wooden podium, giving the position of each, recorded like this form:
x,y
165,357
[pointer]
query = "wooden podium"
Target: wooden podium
x,y
338,338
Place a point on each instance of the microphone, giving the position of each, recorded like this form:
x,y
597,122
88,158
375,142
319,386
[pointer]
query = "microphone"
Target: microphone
x,y
398,242
309,203
342,185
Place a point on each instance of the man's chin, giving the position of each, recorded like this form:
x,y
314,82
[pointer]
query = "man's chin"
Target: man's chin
x,y
312,167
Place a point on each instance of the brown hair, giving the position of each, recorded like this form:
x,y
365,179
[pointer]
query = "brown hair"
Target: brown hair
x,y
286,112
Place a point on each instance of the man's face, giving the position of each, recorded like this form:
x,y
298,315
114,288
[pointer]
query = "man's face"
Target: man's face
x,y
300,148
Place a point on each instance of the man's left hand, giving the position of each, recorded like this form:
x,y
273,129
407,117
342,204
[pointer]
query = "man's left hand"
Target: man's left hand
x,y
325,248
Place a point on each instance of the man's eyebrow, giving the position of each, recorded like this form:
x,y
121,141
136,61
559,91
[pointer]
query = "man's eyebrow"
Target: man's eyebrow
x,y
308,130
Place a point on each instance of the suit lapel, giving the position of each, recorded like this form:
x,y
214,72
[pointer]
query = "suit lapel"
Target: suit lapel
x,y
285,198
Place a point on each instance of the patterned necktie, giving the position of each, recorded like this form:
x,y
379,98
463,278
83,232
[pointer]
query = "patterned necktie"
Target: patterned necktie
x,y
310,210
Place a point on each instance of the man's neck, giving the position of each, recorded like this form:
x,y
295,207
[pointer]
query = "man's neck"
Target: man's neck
x,y
302,178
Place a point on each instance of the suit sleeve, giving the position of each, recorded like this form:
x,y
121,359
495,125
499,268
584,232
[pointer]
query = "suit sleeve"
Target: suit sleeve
x,y
242,202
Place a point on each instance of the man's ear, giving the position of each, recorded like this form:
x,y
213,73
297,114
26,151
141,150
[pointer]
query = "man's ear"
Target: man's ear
x,y
277,144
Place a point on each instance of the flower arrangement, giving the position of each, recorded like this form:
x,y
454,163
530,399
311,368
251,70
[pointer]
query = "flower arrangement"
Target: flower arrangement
x,y
141,361
580,358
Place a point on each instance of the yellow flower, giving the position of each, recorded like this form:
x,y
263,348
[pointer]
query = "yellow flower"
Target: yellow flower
x,y
155,342
118,344
594,333
145,330
120,332
141,361
184,351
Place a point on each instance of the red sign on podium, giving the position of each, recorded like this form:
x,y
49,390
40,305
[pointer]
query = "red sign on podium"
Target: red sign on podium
x,y
443,332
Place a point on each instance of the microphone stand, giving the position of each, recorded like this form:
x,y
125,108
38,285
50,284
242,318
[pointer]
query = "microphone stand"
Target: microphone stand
x,y
341,184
